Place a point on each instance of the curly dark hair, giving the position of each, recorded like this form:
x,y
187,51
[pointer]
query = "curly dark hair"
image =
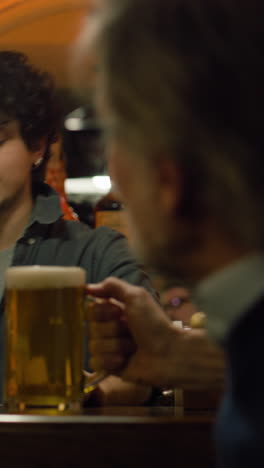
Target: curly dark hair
x,y
29,96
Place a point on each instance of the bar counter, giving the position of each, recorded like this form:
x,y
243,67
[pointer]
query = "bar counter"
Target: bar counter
x,y
118,437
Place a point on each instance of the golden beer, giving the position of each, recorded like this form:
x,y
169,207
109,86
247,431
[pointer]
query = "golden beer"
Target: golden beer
x,y
44,337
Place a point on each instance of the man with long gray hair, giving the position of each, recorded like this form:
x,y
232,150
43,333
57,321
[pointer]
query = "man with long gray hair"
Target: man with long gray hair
x,y
180,92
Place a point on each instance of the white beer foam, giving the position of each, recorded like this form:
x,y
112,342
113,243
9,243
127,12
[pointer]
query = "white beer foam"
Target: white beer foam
x,y
42,277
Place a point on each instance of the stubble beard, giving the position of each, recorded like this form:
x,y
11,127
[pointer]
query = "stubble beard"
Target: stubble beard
x,y
170,257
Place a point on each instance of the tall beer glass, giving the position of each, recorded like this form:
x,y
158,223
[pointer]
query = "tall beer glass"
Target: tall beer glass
x,y
44,337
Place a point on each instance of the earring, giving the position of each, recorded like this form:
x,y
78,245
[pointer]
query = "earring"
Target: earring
x,y
37,163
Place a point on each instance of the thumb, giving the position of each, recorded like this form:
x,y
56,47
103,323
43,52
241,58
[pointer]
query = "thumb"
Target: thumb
x,y
112,288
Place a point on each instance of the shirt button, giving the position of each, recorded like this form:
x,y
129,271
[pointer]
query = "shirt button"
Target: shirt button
x,y
31,241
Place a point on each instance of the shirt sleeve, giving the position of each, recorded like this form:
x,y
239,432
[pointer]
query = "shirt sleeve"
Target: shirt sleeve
x,y
112,256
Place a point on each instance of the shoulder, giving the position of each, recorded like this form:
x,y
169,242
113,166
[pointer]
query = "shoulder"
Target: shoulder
x,y
111,255
244,345
109,250
103,244
249,324
102,252
99,237
241,415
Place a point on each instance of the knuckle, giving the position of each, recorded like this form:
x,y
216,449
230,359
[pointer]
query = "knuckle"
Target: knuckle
x,y
110,281
136,294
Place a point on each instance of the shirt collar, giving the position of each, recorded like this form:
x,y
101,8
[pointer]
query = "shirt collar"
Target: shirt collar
x,y
47,208
227,295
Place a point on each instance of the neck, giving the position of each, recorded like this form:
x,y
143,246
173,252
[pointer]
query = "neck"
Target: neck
x,y
14,218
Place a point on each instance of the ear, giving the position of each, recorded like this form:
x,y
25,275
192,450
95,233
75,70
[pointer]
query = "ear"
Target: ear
x,y
38,152
170,186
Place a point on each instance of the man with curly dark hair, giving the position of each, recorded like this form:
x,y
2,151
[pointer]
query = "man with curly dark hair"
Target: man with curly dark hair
x,y
29,97
32,228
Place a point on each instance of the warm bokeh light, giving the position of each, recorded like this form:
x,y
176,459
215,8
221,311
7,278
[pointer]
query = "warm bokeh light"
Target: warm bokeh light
x,y
88,185
44,30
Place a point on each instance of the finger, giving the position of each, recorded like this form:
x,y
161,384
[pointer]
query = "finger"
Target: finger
x,y
123,346
107,329
111,287
100,300
107,362
102,311
89,375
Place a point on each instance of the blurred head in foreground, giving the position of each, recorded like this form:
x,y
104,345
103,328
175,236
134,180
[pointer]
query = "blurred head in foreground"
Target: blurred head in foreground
x,y
179,91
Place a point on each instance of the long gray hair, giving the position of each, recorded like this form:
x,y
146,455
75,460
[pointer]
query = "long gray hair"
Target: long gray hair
x,y
185,78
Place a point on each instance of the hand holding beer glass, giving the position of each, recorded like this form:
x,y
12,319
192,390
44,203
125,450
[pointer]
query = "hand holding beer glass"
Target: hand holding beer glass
x,y
44,337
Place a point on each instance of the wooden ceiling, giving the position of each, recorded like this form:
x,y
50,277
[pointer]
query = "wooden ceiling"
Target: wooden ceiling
x,y
44,29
